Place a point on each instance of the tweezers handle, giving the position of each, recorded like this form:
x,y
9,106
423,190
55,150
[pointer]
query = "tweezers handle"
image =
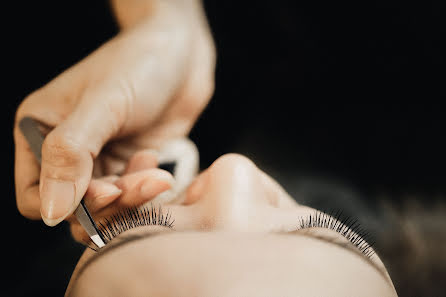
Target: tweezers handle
x,y
30,129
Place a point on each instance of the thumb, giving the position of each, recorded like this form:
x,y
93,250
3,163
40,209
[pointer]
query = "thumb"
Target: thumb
x,y
67,157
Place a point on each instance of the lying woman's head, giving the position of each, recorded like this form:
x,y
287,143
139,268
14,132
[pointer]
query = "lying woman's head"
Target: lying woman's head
x,y
236,233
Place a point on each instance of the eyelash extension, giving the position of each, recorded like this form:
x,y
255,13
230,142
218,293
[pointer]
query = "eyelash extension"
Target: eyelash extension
x,y
133,217
345,225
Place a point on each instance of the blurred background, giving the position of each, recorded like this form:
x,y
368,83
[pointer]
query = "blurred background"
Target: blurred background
x,y
341,102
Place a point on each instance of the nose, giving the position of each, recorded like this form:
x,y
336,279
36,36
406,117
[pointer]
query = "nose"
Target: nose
x,y
231,194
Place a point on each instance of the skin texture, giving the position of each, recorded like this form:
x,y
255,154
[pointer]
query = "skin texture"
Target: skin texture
x,y
141,89
233,236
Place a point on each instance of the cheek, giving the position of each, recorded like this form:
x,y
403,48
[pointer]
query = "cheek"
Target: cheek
x,y
84,258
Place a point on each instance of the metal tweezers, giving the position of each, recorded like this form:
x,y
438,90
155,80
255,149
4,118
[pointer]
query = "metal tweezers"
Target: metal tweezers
x,y
32,133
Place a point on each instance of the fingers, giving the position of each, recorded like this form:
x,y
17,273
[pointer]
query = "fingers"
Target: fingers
x,y
104,198
127,191
67,158
67,152
141,172
123,88
100,194
27,168
142,186
142,160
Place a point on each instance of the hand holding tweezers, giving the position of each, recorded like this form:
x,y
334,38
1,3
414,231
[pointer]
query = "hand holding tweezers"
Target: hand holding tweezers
x,y
31,131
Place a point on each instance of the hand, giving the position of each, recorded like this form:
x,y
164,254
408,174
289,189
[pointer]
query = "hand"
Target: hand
x,y
145,86
141,182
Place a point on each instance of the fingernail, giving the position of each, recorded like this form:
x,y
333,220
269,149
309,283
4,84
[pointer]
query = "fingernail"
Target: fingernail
x,y
152,188
57,199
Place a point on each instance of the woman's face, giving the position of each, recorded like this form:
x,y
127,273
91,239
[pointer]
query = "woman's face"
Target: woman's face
x,y
236,233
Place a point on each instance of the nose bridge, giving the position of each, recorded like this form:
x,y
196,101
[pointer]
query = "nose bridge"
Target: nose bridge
x,y
234,193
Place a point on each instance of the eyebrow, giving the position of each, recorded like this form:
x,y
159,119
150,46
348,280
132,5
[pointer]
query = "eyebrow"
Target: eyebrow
x,y
136,237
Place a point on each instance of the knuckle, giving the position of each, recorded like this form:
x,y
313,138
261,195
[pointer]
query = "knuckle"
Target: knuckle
x,y
207,89
197,97
25,210
60,151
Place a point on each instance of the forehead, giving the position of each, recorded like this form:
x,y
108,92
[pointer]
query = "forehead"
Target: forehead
x,y
206,263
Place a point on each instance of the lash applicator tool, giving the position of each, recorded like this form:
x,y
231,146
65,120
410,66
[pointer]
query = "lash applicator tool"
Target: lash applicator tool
x,y
32,133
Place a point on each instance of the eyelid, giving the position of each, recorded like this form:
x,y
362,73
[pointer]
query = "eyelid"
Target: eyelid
x,y
332,238
346,226
134,234
131,218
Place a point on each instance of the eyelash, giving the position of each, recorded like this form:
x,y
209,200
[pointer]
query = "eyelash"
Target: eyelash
x,y
133,217
345,225
149,216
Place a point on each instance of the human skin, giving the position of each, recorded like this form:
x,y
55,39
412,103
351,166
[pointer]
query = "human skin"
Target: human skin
x,y
139,90
235,234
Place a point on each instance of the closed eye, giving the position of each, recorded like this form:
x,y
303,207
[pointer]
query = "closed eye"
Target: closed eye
x,y
347,226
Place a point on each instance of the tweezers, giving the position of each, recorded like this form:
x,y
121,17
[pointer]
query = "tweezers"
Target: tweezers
x,y
32,133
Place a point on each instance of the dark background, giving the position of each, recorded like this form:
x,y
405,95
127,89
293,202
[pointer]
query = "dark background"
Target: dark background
x,y
345,91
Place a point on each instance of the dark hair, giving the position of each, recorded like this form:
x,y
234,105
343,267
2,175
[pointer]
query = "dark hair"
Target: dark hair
x,y
409,234
412,245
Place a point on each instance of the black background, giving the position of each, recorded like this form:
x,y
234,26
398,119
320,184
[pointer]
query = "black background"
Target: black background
x,y
349,91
